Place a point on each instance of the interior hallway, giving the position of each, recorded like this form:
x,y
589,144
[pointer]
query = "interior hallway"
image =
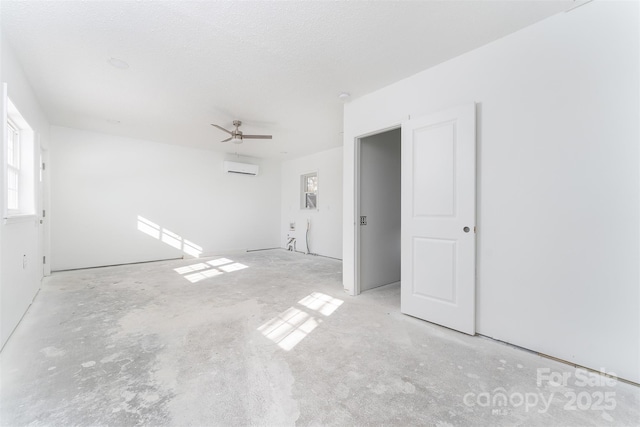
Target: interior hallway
x,y
266,338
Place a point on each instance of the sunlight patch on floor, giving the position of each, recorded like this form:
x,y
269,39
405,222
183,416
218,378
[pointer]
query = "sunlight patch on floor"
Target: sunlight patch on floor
x,y
321,303
294,324
205,270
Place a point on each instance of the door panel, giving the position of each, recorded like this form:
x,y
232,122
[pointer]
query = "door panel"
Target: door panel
x,y
434,171
434,272
438,218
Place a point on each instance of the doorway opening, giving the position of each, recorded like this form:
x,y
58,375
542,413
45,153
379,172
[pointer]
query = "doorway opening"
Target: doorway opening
x,y
436,190
378,209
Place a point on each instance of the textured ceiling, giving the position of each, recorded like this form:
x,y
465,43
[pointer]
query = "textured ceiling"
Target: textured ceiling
x,y
277,66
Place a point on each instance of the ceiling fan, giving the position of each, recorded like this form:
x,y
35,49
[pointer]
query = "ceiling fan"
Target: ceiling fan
x,y
237,136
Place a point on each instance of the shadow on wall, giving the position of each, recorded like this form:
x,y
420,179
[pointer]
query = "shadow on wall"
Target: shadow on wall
x,y
168,237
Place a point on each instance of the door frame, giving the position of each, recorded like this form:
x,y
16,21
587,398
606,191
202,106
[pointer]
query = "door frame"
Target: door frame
x,y
377,126
356,200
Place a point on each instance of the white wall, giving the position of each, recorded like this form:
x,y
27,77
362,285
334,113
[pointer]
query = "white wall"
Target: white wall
x,y
558,180
325,235
380,174
102,183
19,240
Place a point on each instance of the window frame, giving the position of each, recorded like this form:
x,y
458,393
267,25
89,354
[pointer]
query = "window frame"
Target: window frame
x,y
21,205
13,167
304,190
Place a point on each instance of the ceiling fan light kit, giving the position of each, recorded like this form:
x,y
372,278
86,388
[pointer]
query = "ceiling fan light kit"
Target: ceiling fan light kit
x,y
237,136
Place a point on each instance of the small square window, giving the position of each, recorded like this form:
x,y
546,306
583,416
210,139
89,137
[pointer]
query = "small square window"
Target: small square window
x,y
309,191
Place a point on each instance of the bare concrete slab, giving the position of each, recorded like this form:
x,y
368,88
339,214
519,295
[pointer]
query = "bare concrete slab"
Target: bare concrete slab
x,y
270,338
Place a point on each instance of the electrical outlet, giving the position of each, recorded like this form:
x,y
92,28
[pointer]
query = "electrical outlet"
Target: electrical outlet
x,y
363,220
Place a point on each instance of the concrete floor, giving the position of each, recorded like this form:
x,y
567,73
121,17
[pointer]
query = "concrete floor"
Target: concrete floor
x,y
270,338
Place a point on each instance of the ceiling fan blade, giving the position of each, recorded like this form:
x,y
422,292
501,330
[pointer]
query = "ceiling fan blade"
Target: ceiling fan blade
x,y
257,136
221,128
228,139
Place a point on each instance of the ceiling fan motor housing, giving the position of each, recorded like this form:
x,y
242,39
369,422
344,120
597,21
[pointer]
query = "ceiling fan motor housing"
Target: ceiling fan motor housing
x,y
236,136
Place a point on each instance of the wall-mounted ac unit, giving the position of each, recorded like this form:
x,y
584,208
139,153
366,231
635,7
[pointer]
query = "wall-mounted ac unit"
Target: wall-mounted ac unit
x,y
241,168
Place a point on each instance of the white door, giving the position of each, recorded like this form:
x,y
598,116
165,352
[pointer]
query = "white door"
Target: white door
x,y
438,218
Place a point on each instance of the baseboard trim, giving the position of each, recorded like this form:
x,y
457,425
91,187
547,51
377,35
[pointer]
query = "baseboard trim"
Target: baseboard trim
x,y
116,265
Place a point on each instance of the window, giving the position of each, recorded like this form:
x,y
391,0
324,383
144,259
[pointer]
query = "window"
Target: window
x,y
13,166
309,193
20,160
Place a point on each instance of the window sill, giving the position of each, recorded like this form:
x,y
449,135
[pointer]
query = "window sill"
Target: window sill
x,y
18,218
